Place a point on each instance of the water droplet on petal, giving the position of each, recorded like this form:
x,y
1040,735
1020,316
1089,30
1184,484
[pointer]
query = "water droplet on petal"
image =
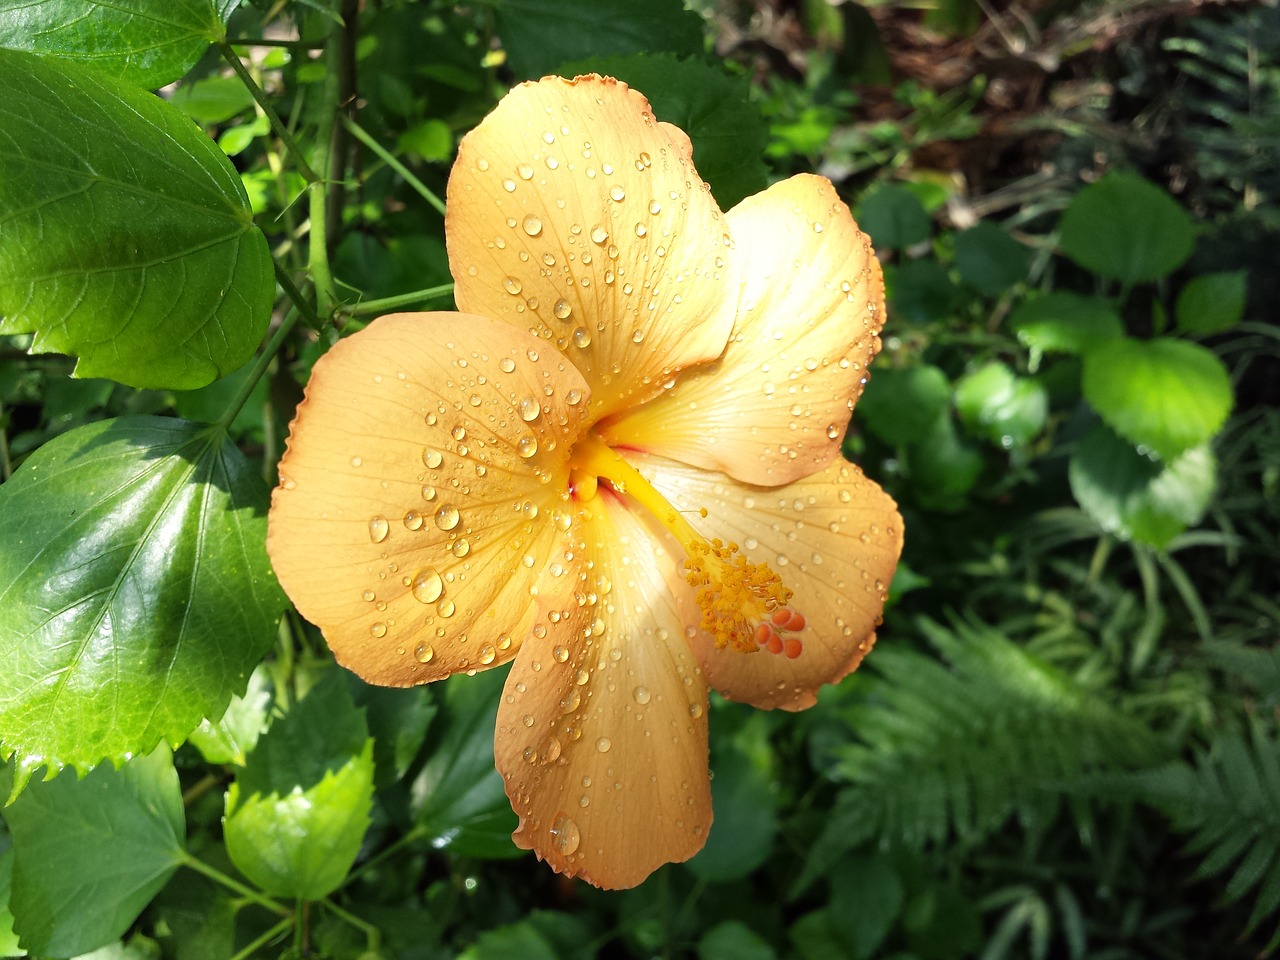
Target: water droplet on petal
x,y
427,586
432,458
617,193
507,364
379,629
565,836
512,285
424,653
603,744
642,695
532,225
446,608
413,520
527,446
487,654
562,309
378,529
529,408
447,516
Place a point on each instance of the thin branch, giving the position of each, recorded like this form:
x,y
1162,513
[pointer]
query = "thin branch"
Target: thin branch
x,y
362,135
260,97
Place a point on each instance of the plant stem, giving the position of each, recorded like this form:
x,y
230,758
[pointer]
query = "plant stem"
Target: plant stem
x,y
406,839
296,296
362,135
372,935
262,941
259,368
260,97
366,307
217,876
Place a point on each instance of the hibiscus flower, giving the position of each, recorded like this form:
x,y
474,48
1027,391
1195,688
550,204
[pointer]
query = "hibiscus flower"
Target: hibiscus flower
x,y
619,466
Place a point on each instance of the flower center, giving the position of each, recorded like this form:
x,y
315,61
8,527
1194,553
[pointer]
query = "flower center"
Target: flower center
x,y
743,604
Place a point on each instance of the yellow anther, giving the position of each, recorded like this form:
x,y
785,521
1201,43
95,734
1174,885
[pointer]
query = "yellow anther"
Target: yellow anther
x,y
743,604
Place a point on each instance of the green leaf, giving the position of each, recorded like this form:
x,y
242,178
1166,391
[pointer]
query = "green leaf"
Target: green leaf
x,y
144,262
298,812
902,406
1213,302
398,720
8,939
431,140
714,109
232,738
212,100
941,924
733,940
515,941
1164,394
893,217
746,819
458,798
990,260
148,43
943,467
866,898
1066,323
1135,496
136,590
919,290
1002,407
90,854
1126,228
541,35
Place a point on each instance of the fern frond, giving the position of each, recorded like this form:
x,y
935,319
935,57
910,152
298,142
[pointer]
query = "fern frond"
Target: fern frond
x,y
950,751
1229,802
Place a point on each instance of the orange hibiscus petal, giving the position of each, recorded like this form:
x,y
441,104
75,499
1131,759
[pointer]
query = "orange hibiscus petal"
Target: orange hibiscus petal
x,y
775,406
407,507
576,216
602,731
834,538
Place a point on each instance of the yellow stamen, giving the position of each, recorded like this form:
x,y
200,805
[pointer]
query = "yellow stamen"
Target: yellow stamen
x,y
743,604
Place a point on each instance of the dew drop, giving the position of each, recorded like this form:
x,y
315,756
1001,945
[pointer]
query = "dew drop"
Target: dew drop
x,y
509,185
427,586
532,225
617,193
581,337
378,529
379,629
447,516
641,229
413,520
566,836
446,608
507,364
560,653
695,710
487,654
424,653
562,309
525,171
603,744
432,458
529,408
527,446
642,695
599,234
512,285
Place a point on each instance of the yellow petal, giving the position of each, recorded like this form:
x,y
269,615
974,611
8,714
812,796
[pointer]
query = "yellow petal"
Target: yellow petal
x,y
834,539
573,214
775,406
602,732
409,494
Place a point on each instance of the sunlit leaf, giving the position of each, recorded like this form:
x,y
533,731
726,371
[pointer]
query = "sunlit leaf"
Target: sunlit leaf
x,y
1001,406
297,813
1164,394
136,590
1065,323
145,42
143,261
231,738
90,854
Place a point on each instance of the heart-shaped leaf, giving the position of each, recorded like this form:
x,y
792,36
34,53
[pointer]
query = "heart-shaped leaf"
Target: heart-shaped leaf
x,y
136,589
128,238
